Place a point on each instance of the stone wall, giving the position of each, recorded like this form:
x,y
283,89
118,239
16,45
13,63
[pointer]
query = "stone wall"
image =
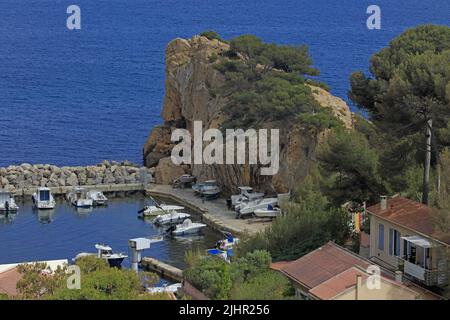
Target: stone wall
x,y
26,175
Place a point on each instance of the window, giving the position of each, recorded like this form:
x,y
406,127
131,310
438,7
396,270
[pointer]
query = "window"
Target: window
x,y
394,242
381,237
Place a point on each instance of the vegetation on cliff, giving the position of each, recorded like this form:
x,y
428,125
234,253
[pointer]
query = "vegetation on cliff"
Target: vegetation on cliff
x,y
382,155
267,82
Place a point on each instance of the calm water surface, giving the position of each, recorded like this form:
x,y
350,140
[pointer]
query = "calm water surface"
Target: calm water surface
x,y
34,235
78,97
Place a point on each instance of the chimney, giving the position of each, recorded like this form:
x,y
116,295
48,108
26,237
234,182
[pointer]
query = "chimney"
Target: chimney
x,y
399,276
383,202
358,286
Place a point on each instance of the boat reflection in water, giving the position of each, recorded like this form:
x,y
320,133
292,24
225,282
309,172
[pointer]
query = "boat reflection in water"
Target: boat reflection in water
x,y
45,216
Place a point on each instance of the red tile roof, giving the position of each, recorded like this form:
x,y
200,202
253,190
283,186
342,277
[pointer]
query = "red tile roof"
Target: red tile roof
x,y
412,215
322,264
338,284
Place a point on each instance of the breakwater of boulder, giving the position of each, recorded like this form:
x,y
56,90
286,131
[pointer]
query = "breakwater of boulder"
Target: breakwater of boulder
x,y
18,177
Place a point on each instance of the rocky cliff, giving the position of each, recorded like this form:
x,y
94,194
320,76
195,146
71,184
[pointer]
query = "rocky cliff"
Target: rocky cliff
x,y
191,94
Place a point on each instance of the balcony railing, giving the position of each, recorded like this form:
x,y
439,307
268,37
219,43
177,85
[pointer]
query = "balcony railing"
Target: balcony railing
x,y
430,277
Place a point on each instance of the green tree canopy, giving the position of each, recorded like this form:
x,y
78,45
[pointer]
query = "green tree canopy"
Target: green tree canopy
x,y
407,92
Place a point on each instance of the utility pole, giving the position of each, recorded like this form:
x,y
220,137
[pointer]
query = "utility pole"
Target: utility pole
x,y
426,173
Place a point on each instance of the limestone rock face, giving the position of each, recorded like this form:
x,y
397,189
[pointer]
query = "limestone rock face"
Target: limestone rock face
x,y
167,171
191,94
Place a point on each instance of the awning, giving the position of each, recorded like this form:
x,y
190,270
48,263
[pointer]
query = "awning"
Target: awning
x,y
419,241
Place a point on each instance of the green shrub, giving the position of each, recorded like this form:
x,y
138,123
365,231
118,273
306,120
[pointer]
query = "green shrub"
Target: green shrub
x,y
211,35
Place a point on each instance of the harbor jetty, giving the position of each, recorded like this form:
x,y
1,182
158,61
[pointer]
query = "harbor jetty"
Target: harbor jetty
x,y
22,180
163,269
214,213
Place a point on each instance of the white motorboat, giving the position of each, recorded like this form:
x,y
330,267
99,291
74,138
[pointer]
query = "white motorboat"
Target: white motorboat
x,y
212,192
105,252
269,212
43,199
7,203
186,228
249,208
159,209
204,186
171,218
98,198
78,197
172,288
246,193
228,243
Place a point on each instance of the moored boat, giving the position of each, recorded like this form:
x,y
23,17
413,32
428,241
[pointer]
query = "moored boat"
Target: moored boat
x,y
158,209
171,218
78,198
105,252
98,198
186,228
7,203
172,288
43,199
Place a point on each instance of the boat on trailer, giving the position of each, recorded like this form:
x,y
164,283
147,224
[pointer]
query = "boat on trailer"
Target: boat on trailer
x,y
7,203
98,198
105,252
269,212
248,209
78,197
186,228
245,193
43,199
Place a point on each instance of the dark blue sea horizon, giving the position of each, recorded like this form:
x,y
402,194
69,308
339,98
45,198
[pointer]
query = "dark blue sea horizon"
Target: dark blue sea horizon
x,y
78,97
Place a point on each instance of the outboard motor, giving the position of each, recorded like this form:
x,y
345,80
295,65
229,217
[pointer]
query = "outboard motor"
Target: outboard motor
x,y
171,228
229,203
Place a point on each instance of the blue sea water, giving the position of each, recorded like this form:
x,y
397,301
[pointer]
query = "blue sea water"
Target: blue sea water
x,y
78,97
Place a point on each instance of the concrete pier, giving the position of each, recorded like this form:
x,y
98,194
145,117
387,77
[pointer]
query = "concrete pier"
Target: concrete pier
x,y
163,269
214,212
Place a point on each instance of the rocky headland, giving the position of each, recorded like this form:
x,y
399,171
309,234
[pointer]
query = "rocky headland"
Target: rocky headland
x,y
193,92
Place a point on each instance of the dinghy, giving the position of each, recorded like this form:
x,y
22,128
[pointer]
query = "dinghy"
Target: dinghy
x,y
43,199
